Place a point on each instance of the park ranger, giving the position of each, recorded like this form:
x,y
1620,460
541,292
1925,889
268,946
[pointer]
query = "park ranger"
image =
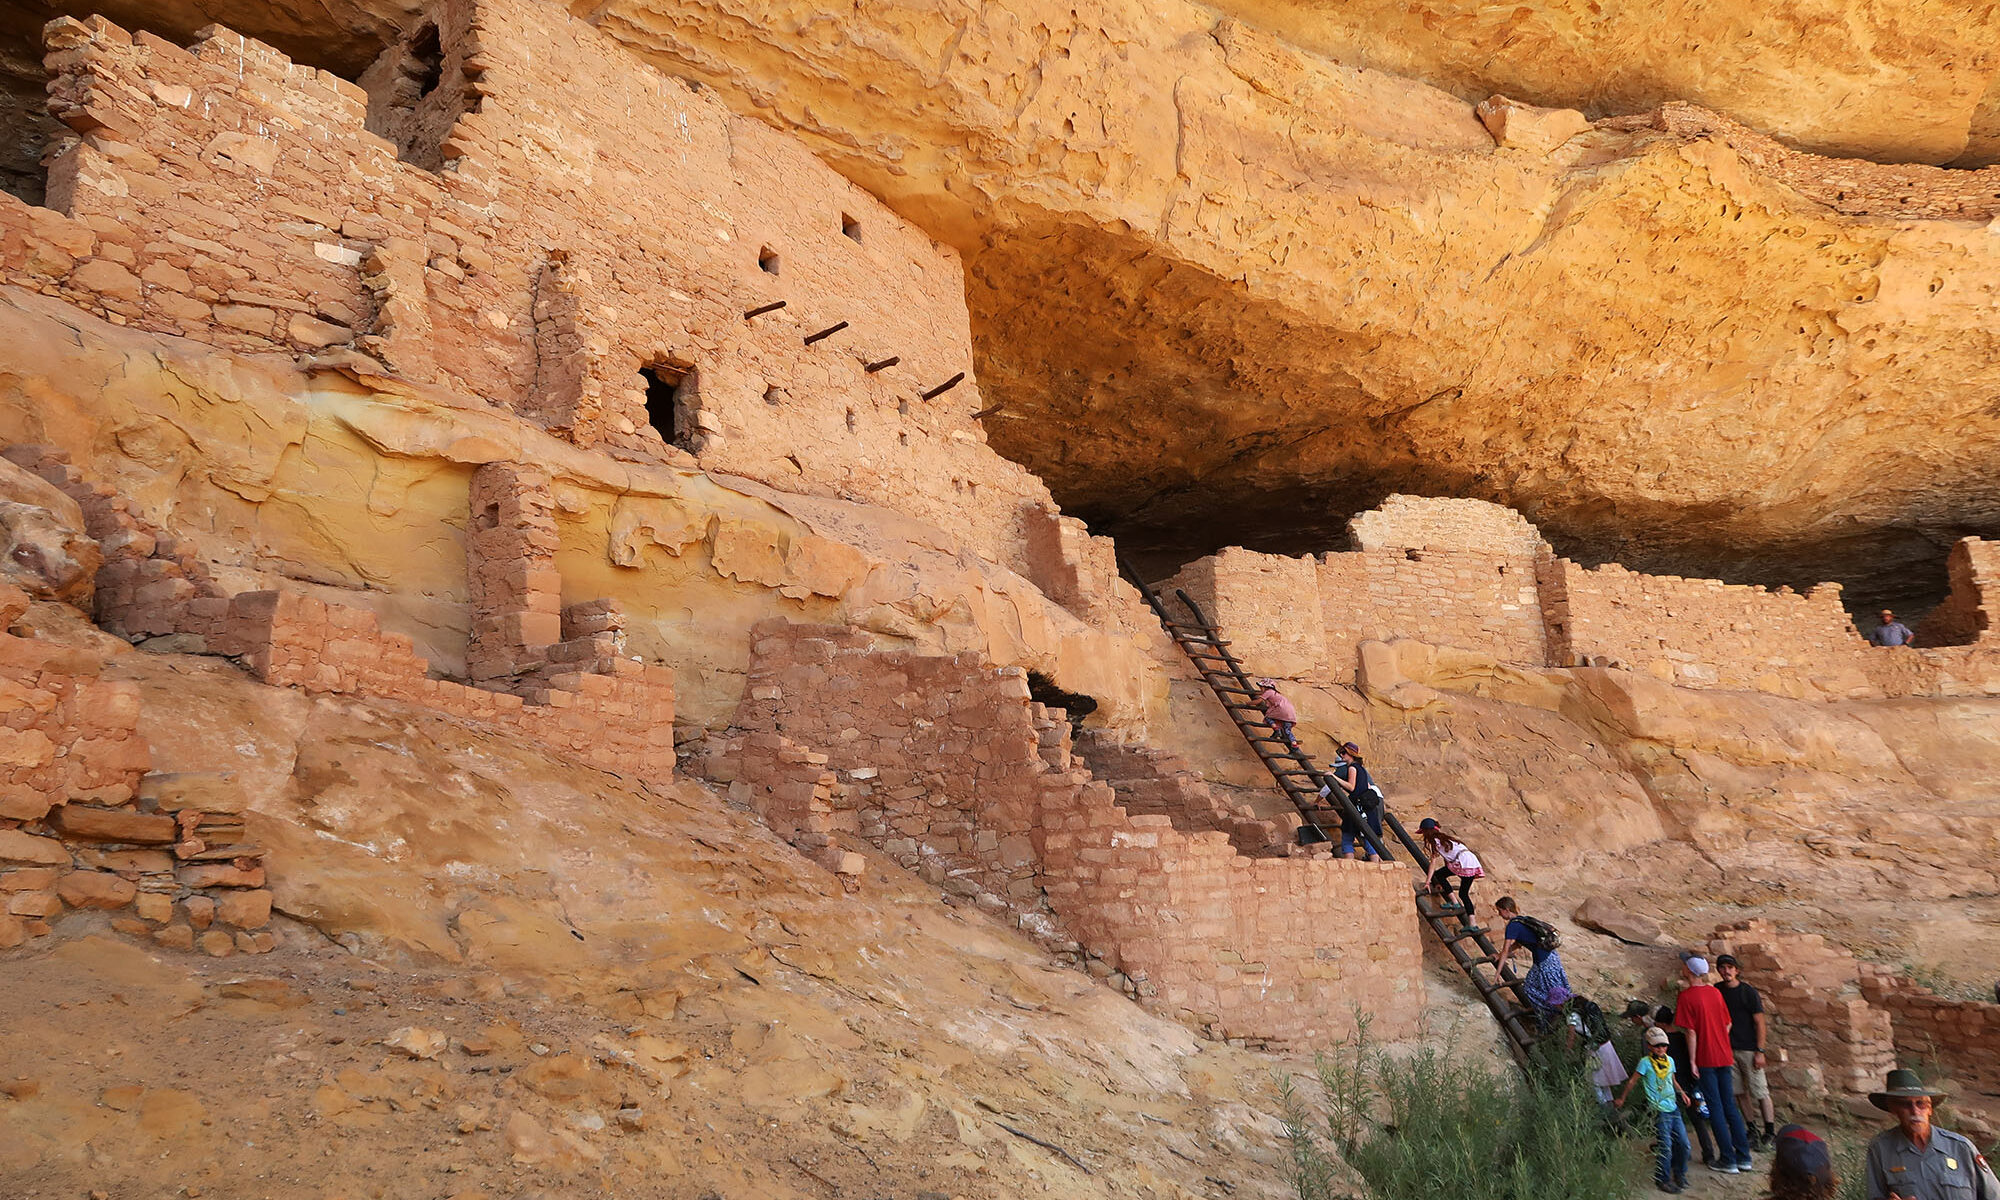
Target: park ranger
x,y
1915,1161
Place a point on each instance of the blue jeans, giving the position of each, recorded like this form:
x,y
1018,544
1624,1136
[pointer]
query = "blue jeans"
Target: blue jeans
x,y
1372,813
1671,1165
1732,1140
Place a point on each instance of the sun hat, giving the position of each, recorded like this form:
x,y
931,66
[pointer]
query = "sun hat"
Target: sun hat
x,y
1267,683
1656,1037
1350,747
1696,965
1903,1084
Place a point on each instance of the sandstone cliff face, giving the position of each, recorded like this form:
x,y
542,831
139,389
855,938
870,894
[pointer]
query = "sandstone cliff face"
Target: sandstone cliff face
x,y
1845,77
1225,288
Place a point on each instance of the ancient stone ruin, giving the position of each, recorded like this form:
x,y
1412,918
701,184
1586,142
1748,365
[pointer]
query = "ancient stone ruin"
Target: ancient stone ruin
x,y
544,386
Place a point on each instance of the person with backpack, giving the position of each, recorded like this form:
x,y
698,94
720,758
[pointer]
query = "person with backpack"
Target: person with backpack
x,y
1587,1024
1664,1096
1546,985
1455,860
1352,775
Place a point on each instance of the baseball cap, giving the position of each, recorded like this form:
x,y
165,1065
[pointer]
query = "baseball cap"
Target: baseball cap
x,y
1656,1037
1427,823
1697,964
1725,960
1637,1008
1801,1153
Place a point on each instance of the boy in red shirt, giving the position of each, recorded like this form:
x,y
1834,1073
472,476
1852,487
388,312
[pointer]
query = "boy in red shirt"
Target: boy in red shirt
x,y
1704,1016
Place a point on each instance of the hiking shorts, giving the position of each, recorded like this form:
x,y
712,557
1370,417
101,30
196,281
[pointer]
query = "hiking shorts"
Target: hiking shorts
x,y
1751,1078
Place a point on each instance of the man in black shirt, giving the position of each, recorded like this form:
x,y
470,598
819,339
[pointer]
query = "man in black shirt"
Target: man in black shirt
x,y
1747,1029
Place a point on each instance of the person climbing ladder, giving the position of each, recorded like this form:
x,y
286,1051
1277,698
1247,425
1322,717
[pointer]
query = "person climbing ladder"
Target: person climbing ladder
x,y
1455,861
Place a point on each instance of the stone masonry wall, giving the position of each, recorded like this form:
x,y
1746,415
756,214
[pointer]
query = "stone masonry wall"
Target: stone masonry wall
x,y
554,674
1833,1040
554,220
1447,597
84,825
1966,616
620,722
1705,633
1961,1035
1474,576
943,763
1267,606
1439,523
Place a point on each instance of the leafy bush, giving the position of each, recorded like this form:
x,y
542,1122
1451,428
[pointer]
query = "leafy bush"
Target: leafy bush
x,y
1452,1127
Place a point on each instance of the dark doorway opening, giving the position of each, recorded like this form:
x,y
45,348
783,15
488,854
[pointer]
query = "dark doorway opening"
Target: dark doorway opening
x,y
1043,690
426,64
670,403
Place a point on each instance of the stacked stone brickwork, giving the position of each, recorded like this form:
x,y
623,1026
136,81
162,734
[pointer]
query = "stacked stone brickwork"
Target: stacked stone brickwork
x,y
1267,605
146,582
1705,633
555,228
1966,616
1963,1036
1439,523
1476,577
620,722
84,826
1153,782
1834,1040
511,581
946,764
65,732
553,673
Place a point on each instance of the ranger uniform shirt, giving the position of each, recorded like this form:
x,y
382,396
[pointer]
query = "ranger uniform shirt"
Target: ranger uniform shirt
x,y
1950,1168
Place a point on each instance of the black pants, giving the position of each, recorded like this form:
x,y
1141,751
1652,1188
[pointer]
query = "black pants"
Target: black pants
x,y
1441,884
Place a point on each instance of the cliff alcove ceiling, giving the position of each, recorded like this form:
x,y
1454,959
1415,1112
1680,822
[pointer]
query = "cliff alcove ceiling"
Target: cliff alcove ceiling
x,y
1237,271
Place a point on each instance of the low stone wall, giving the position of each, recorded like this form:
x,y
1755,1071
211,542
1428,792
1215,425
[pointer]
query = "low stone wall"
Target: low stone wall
x,y
622,722
1705,633
946,764
1484,602
1833,1040
1961,1035
1474,576
84,826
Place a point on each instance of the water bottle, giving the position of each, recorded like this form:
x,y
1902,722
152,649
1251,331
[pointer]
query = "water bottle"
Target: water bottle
x,y
1701,1106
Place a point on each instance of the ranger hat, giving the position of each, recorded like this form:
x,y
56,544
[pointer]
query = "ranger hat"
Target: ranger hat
x,y
1904,1084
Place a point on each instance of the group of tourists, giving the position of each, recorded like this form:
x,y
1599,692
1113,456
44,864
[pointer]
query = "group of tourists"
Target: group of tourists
x,y
1698,1055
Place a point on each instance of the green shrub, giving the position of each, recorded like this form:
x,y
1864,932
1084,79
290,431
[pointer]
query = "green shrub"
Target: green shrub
x,y
1447,1126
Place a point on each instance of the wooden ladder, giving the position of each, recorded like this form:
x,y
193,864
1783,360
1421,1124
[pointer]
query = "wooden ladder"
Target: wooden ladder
x,y
1296,776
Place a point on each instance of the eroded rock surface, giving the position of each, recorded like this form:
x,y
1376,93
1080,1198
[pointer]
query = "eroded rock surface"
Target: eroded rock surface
x,y
1227,290
44,547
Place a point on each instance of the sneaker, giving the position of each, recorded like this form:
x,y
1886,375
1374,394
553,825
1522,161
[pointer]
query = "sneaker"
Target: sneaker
x,y
1681,1184
1725,1168
1746,1165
